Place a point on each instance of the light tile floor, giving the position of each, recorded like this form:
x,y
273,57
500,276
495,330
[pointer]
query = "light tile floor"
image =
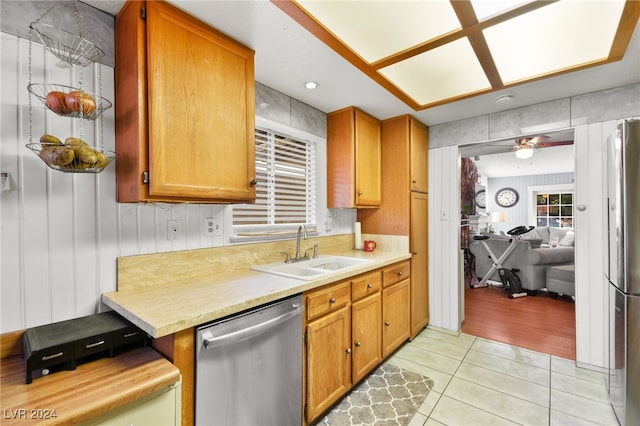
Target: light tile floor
x,y
482,382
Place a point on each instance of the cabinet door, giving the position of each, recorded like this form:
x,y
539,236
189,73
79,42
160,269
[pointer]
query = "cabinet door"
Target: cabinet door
x,y
419,148
366,332
328,360
353,159
368,160
201,125
395,316
160,409
419,262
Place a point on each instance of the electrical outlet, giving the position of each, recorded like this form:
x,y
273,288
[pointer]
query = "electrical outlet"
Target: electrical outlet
x,y
5,182
174,229
212,226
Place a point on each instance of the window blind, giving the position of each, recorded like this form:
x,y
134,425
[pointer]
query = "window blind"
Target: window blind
x,y
285,190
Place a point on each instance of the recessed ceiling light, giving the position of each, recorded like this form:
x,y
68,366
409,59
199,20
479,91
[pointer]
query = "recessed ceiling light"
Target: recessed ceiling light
x,y
504,99
310,85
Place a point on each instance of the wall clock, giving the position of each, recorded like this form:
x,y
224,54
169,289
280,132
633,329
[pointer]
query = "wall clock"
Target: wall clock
x,y
481,199
507,197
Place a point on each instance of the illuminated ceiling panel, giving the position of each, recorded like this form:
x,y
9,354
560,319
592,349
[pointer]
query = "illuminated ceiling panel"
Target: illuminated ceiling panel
x,y
431,52
375,29
523,48
484,9
449,71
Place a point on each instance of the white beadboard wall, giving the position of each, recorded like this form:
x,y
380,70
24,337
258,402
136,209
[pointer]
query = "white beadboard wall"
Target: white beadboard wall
x,y
54,224
592,293
444,229
519,214
62,233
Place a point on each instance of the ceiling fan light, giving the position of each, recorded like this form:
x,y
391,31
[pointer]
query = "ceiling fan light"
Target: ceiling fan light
x,y
524,152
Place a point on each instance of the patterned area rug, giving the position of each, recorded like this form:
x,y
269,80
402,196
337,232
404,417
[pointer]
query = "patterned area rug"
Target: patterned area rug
x,y
388,396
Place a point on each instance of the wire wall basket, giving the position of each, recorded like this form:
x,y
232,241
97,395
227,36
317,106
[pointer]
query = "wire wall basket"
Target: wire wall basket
x,y
70,48
67,101
72,158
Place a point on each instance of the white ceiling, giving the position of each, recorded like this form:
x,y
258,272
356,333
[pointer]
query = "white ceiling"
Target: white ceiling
x,y
497,158
548,160
287,55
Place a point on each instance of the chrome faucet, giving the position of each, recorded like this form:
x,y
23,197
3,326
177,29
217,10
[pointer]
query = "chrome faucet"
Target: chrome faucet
x,y
302,232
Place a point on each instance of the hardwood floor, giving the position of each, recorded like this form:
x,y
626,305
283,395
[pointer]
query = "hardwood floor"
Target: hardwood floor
x,y
539,323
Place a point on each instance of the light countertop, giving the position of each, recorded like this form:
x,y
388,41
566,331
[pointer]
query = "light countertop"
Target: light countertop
x,y
172,307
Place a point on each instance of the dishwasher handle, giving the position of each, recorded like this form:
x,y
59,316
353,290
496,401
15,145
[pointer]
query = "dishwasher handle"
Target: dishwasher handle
x,y
250,331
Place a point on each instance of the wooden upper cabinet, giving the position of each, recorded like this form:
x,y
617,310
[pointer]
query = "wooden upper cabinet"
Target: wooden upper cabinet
x,y
419,153
353,159
184,109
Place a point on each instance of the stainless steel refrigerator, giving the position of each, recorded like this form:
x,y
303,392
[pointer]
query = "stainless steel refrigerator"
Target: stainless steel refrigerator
x,y
623,270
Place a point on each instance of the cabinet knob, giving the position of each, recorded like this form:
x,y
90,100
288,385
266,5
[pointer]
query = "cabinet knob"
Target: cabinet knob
x,y
414,181
359,192
332,300
369,285
386,324
414,253
253,182
399,273
358,344
348,351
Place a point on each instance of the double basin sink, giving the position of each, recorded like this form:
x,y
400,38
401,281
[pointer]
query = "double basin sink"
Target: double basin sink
x,y
313,268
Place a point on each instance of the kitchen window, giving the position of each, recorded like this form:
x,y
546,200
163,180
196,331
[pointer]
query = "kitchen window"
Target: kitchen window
x,y
286,189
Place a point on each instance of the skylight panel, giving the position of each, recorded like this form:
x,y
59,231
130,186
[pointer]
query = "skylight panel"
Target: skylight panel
x,y
377,29
446,72
553,38
487,8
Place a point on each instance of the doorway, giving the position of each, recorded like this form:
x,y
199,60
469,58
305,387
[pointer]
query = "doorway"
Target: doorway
x,y
540,323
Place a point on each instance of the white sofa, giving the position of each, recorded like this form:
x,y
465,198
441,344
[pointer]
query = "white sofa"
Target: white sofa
x,y
532,255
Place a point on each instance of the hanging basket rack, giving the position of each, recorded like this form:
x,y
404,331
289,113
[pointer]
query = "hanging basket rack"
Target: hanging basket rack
x,y
74,155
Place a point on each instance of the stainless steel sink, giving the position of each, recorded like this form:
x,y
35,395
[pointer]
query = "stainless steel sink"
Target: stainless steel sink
x,y
314,268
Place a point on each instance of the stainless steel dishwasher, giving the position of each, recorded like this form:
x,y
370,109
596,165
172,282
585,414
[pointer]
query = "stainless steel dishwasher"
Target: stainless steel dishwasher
x,y
249,367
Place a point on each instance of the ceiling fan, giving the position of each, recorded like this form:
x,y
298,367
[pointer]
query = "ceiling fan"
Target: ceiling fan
x,y
524,147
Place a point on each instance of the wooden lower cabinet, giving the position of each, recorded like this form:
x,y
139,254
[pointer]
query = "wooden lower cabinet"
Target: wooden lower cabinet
x,y
395,315
179,348
366,316
328,360
345,341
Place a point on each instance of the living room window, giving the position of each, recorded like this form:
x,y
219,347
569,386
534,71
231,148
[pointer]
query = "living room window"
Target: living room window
x,y
554,209
286,188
